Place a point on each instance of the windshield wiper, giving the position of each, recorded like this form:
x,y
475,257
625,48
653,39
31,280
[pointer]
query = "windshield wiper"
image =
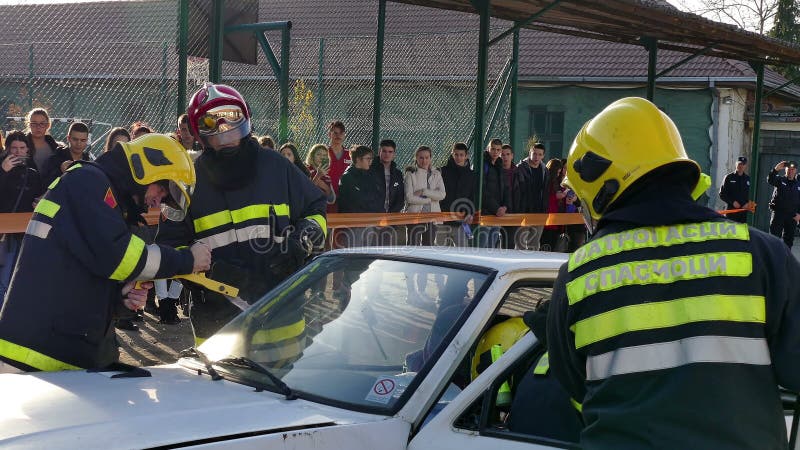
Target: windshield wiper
x,y
195,353
247,363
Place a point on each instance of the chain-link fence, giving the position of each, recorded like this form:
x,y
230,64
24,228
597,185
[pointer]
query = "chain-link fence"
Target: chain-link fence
x,y
115,62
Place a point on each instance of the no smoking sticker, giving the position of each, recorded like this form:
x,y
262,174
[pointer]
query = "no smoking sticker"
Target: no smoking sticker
x,y
382,390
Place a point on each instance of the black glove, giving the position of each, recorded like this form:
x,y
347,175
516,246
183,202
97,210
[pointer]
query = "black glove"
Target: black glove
x,y
309,234
291,257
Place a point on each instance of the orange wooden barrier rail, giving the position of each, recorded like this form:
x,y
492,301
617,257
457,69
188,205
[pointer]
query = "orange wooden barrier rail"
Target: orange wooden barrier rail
x,y
17,222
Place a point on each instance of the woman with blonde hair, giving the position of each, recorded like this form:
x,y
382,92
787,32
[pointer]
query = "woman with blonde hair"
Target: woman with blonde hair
x,y
318,162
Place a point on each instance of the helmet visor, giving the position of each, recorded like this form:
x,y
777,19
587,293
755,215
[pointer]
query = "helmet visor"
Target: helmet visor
x,y
221,119
175,206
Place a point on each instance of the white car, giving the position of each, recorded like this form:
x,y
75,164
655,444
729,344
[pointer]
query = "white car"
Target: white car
x,y
387,363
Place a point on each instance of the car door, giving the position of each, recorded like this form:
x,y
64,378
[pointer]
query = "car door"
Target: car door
x,y
470,421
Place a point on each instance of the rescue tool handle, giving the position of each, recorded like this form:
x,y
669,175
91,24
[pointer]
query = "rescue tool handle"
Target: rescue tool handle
x,y
208,283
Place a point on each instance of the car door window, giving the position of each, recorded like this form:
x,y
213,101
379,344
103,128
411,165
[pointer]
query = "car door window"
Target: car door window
x,y
522,405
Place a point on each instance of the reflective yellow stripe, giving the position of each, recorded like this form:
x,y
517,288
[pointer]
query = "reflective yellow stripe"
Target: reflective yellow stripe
x,y
281,209
212,221
132,255
73,167
47,208
321,221
660,271
260,211
54,183
198,341
576,405
280,333
250,212
543,365
649,316
650,237
32,358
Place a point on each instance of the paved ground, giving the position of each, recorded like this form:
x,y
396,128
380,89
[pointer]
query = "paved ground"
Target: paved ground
x,y
154,343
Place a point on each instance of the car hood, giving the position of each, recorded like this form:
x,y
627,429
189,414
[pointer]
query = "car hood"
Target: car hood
x,y
76,409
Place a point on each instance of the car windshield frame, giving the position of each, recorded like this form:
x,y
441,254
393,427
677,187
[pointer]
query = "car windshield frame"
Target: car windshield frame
x,y
295,284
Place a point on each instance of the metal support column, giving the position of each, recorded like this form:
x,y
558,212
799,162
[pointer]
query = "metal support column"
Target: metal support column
x,y
482,7
321,90
183,54
512,105
378,89
754,156
283,126
215,41
652,57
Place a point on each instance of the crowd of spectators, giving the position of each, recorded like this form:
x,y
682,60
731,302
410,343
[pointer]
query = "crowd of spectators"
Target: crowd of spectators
x,y
357,179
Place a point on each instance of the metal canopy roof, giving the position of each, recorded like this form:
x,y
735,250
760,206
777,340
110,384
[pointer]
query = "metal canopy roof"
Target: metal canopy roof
x,y
628,21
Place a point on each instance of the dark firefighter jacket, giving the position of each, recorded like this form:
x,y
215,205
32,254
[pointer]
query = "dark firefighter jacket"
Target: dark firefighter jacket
x,y
76,254
397,190
674,327
786,195
248,205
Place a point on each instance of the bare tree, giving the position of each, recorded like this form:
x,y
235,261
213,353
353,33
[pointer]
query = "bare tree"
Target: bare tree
x,y
751,15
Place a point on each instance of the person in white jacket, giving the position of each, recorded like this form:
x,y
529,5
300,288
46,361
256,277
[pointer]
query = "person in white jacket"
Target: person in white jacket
x,y
424,190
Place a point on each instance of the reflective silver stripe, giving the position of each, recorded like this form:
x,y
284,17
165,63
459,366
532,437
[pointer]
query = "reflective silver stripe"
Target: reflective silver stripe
x,y
152,264
238,235
38,229
666,355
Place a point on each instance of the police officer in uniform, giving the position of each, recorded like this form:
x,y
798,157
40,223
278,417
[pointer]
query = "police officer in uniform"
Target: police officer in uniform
x,y
735,190
259,214
785,201
672,326
79,261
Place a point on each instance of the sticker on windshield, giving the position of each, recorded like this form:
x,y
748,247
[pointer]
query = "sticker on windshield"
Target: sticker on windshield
x,y
382,390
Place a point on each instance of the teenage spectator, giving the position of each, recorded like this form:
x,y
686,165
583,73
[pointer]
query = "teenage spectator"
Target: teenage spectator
x,y
267,143
20,185
532,176
735,190
77,142
511,192
460,186
555,196
359,192
424,190
785,201
495,201
185,137
392,189
289,151
317,163
117,134
339,156
139,129
44,146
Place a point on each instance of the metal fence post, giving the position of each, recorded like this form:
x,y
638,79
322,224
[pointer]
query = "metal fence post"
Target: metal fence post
x,y
378,88
216,39
183,54
759,69
320,89
482,7
283,126
512,104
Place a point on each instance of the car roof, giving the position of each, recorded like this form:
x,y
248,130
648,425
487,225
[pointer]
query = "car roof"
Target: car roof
x,y
497,259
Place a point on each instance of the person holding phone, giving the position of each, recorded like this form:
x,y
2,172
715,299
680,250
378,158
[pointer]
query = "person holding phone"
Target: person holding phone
x,y
20,186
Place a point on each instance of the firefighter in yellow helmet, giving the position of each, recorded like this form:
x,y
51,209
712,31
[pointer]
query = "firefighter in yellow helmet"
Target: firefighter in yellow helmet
x,y
673,326
79,261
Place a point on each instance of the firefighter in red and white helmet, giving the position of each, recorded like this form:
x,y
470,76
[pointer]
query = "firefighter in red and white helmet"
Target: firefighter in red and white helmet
x,y
259,214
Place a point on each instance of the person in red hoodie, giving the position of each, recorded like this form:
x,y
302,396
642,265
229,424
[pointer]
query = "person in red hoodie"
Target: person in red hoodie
x,y
339,157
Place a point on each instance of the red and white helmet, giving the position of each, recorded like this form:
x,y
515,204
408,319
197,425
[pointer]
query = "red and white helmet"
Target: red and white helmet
x,y
218,116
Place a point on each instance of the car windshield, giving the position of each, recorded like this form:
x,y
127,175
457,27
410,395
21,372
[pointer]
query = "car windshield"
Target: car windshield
x,y
351,330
